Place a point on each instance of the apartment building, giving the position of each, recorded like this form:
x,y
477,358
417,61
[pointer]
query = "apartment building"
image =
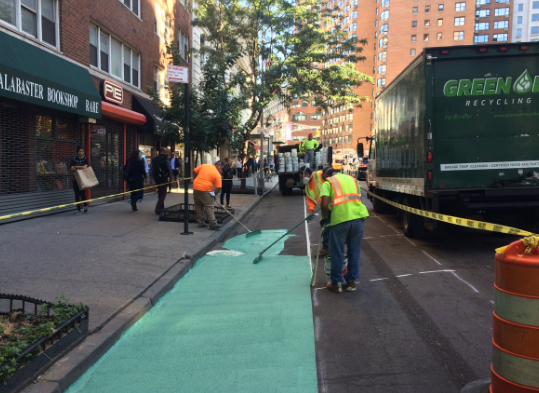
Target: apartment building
x,y
78,72
525,20
342,126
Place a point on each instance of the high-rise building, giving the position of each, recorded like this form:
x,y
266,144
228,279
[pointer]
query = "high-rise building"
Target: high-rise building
x,y
525,20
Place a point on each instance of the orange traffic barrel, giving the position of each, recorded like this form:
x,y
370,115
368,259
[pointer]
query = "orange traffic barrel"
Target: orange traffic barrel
x,y
515,352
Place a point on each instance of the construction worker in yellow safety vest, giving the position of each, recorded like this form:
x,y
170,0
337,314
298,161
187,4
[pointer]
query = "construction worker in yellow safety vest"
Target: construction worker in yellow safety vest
x,y
308,146
341,195
313,185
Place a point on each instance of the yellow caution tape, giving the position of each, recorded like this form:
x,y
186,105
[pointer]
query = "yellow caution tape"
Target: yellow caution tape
x,y
486,226
46,209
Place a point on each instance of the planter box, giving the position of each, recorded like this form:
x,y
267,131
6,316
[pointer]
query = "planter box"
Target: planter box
x,y
66,336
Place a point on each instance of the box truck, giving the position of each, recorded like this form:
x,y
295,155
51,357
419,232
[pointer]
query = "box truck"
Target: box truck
x,y
457,132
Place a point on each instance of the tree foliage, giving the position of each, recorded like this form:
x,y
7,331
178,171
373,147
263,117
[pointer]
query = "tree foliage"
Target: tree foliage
x,y
282,49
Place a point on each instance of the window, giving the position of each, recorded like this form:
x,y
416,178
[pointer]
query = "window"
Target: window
x,y
438,36
295,103
501,12
499,37
482,13
385,3
414,11
381,82
305,103
427,8
316,116
384,15
519,33
534,30
460,6
440,22
156,79
414,38
520,7
482,2
354,15
112,56
482,26
133,5
299,116
478,39
383,42
346,9
183,45
412,52
501,24
440,7
34,17
384,28
459,21
535,18
353,38
353,26
382,56
414,23
425,37
458,36
345,20
426,23
382,69
535,5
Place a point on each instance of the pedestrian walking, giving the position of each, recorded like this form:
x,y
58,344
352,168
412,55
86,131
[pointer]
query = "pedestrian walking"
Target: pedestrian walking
x,y
250,166
313,182
341,195
206,186
239,166
147,172
161,172
79,162
135,176
309,145
175,166
227,174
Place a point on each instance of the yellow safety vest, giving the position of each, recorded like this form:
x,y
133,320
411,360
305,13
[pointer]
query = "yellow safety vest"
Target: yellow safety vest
x,y
345,203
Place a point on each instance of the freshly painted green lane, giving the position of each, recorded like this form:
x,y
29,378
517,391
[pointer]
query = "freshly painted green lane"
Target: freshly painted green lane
x,y
227,326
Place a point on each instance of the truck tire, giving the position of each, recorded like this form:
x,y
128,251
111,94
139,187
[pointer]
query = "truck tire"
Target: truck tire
x,y
408,221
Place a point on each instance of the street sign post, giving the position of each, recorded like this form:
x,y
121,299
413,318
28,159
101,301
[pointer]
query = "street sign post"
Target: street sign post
x,y
181,75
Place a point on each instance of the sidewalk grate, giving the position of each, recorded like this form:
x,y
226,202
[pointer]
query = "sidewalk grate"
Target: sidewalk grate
x,y
175,213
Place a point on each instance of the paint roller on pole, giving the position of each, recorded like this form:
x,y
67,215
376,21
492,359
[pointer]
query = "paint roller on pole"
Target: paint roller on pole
x,y
259,256
249,232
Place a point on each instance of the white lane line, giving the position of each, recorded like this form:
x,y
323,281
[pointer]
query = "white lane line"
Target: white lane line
x,y
316,289
404,275
436,271
380,219
424,252
315,299
492,301
409,241
396,230
368,238
378,279
465,282
307,235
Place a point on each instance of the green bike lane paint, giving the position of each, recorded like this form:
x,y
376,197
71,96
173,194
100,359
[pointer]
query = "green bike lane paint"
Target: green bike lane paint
x,y
227,326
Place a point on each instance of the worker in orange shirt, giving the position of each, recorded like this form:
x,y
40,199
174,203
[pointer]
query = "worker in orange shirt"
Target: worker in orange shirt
x,y
313,185
206,186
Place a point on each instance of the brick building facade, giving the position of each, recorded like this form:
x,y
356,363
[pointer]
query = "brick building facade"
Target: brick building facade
x,y
119,41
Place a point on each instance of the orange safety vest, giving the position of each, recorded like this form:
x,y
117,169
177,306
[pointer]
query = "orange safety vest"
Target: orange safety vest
x,y
312,191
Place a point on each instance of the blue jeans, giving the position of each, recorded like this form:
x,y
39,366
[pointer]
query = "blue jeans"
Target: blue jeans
x,y
349,233
325,234
309,158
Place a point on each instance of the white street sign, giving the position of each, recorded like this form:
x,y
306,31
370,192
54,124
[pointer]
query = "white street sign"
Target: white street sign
x,y
178,74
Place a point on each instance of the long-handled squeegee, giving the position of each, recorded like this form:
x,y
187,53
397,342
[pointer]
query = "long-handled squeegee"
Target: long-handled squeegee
x,y
259,256
249,232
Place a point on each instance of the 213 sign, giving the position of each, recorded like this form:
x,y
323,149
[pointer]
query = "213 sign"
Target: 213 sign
x,y
112,92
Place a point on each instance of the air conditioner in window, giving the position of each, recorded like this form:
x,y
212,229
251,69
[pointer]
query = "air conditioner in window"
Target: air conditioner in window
x,y
506,29
477,18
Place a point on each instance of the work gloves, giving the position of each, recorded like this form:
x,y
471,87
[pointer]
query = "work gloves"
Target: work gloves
x,y
323,222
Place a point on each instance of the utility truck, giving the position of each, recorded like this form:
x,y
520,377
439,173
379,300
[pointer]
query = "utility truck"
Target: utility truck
x,y
457,132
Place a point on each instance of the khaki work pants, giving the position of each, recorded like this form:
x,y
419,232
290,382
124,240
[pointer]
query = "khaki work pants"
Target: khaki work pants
x,y
204,203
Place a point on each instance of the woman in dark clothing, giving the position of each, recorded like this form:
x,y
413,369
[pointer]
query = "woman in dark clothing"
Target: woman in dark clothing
x,y
136,176
79,162
227,176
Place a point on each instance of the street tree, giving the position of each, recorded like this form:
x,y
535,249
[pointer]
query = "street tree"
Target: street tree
x,y
282,49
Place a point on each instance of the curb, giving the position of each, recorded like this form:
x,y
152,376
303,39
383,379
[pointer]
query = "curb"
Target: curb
x,y
63,373
479,386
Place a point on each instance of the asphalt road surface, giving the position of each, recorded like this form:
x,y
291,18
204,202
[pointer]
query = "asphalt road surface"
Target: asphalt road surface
x,y
421,319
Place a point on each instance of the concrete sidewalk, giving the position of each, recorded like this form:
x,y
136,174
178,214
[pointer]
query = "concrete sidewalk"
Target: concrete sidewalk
x,y
116,261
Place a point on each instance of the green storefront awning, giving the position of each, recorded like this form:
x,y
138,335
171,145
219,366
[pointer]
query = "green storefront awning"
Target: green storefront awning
x,y
32,75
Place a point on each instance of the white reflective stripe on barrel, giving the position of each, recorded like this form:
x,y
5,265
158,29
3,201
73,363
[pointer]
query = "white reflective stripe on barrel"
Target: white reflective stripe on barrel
x,y
514,368
517,309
